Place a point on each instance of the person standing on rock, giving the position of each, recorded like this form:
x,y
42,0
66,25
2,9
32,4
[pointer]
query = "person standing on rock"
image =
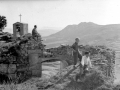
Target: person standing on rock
x,y
35,34
76,52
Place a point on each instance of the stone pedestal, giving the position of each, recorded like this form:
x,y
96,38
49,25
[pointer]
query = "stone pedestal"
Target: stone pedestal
x,y
35,64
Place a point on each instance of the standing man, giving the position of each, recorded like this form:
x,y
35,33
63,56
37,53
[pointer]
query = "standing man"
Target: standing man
x,y
76,52
35,34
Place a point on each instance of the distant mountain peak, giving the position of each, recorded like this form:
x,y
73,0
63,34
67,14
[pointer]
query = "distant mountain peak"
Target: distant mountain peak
x,y
87,23
81,24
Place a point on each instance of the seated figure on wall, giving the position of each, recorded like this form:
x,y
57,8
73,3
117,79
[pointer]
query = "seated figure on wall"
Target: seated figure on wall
x,y
35,34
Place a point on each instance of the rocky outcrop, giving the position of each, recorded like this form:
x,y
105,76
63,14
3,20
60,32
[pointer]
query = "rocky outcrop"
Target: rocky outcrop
x,y
14,56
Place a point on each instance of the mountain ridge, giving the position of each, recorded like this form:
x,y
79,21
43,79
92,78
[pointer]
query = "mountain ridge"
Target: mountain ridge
x,y
87,31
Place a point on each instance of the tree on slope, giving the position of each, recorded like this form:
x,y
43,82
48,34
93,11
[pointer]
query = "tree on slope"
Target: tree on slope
x,y
3,22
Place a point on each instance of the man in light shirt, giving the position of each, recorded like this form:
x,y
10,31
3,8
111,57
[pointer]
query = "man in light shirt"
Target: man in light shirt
x,y
86,63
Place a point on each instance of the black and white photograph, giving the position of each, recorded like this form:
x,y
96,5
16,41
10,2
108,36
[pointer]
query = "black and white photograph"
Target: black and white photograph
x,y
59,44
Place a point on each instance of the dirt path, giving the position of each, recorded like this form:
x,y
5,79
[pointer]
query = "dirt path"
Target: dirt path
x,y
73,86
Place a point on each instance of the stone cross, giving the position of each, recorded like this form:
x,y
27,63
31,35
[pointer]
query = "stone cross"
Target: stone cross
x,y
20,17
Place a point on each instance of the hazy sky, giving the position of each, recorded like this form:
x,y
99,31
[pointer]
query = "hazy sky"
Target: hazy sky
x,y
60,13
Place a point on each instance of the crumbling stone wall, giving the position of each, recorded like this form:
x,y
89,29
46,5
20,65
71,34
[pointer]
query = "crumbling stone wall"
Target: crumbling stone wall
x,y
14,57
102,57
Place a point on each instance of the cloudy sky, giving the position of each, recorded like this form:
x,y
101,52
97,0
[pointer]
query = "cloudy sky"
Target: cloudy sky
x,y
60,13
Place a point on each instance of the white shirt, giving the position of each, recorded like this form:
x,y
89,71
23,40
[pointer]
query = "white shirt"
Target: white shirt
x,y
86,61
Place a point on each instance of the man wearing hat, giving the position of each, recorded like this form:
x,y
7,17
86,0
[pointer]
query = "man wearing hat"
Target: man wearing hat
x,y
35,34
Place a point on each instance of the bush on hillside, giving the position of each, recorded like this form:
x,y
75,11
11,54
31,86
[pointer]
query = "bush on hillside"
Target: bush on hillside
x,y
116,87
94,80
103,87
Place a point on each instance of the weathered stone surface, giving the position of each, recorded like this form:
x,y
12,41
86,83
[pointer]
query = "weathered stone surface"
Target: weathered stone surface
x,y
15,55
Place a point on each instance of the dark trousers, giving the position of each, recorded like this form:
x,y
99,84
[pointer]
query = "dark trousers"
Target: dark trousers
x,y
77,56
35,38
84,70
82,73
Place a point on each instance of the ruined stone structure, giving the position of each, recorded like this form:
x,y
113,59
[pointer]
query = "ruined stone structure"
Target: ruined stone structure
x,y
20,60
102,57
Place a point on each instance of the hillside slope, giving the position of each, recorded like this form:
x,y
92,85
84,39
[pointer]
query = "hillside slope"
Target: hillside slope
x,y
89,33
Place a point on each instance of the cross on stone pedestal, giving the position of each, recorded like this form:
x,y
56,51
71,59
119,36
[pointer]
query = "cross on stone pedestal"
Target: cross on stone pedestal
x,y
20,17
